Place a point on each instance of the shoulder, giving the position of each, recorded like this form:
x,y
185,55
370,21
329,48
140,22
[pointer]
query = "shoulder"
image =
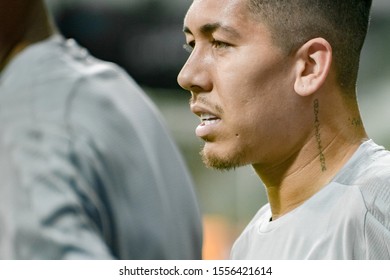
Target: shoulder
x,y
375,193
55,78
374,186
64,64
374,180
98,93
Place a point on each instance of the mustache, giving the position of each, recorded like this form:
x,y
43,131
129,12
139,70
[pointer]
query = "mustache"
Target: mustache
x,y
201,100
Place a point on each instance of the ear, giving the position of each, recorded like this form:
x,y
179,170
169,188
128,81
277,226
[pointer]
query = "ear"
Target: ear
x,y
313,63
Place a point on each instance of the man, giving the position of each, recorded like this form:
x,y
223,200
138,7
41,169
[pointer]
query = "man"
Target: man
x,y
88,169
273,83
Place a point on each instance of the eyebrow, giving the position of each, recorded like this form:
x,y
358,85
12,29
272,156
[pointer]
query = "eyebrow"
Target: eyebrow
x,y
210,28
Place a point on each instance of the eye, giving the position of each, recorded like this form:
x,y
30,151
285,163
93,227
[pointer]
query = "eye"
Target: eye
x,y
189,47
220,45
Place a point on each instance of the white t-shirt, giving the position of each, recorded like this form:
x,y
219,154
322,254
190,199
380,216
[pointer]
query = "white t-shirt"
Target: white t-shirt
x,y
348,219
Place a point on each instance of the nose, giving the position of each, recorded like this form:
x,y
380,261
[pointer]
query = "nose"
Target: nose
x,y
195,74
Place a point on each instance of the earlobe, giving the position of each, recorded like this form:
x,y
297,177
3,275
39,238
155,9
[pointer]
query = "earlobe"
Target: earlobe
x,y
313,63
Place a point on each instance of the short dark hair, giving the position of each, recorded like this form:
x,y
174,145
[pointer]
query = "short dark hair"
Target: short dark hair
x,y
343,23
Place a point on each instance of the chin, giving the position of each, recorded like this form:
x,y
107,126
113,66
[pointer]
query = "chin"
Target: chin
x,y
222,161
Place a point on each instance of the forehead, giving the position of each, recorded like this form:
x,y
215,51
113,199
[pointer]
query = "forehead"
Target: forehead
x,y
225,12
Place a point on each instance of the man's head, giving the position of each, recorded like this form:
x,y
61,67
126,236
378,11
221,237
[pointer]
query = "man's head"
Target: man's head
x,y
253,83
22,22
343,23
14,16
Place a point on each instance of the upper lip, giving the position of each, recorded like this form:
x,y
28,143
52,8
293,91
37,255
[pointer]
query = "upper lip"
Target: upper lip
x,y
207,117
203,113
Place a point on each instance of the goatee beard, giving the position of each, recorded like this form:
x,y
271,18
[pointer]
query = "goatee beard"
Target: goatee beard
x,y
225,163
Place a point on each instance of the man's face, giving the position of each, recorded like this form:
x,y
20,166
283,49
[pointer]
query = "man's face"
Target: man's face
x,y
240,84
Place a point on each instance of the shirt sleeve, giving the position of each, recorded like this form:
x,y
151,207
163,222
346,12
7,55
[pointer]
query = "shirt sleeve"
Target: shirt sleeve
x,y
48,210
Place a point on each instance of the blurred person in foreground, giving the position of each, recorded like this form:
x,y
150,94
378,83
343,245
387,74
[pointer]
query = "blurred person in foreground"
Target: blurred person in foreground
x,y
274,85
88,169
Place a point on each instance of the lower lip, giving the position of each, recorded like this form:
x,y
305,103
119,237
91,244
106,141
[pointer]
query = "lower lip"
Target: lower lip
x,y
206,129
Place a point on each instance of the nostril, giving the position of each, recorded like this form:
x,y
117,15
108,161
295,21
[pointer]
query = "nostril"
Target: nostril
x,y
195,88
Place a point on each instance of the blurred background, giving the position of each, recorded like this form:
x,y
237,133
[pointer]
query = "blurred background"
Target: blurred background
x,y
145,38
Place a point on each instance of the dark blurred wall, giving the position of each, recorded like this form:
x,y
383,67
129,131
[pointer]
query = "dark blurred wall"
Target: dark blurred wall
x,y
145,39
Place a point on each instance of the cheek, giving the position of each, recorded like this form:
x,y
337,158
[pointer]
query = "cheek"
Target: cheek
x,y
257,117
253,92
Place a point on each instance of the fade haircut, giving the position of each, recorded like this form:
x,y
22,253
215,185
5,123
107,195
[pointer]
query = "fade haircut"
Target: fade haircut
x,y
343,23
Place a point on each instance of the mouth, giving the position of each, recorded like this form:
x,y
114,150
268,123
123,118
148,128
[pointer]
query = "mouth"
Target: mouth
x,y
207,127
208,119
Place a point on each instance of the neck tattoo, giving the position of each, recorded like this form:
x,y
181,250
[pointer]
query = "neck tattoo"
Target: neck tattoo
x,y
318,134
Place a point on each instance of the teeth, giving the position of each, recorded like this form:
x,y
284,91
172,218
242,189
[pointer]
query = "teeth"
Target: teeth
x,y
209,122
207,117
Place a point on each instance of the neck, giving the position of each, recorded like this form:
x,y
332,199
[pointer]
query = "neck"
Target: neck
x,y
35,27
293,181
